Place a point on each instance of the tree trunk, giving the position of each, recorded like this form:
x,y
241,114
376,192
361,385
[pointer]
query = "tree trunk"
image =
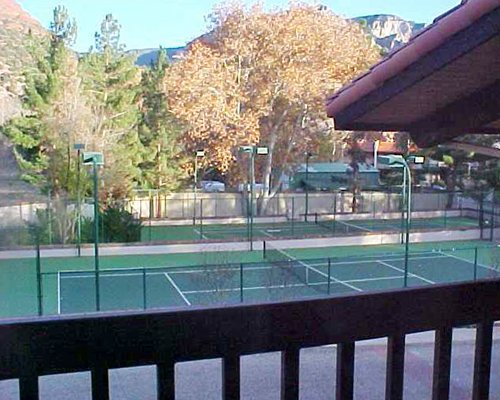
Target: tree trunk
x,y
355,191
450,186
267,194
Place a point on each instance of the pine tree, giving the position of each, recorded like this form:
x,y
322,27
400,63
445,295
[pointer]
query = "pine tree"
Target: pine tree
x,y
111,83
158,131
45,133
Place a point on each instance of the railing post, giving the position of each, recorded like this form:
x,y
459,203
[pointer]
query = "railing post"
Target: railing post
x,y
100,384
482,361
395,367
28,387
442,364
231,378
290,374
345,371
165,381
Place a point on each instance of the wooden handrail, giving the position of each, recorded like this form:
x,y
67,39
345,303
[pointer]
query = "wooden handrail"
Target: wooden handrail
x,y
32,347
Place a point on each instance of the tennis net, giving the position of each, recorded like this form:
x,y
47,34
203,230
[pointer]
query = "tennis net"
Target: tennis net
x,y
286,265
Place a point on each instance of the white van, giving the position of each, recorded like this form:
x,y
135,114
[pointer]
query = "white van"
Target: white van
x,y
213,186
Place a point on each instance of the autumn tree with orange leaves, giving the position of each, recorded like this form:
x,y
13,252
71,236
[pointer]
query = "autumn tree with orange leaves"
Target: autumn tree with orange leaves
x,y
262,77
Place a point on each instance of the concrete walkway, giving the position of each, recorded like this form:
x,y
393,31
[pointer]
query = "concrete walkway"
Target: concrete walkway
x,y
261,374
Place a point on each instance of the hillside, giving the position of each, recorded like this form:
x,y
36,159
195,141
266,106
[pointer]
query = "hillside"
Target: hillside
x,y
15,26
390,31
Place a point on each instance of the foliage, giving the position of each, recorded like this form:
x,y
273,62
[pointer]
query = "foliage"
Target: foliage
x,y
358,157
261,78
55,115
159,132
111,83
116,225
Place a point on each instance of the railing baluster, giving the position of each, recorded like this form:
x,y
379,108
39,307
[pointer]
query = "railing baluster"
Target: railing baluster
x,y
165,380
28,387
345,371
482,361
231,378
442,364
100,384
395,367
290,374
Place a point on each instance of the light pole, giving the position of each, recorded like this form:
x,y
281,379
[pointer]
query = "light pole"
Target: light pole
x,y
252,151
95,159
398,160
198,154
78,147
306,186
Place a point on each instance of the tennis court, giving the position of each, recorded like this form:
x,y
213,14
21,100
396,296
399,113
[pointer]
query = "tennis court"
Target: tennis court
x,y
279,276
316,226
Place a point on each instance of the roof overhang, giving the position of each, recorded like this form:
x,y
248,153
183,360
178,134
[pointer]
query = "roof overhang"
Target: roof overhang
x,y
444,83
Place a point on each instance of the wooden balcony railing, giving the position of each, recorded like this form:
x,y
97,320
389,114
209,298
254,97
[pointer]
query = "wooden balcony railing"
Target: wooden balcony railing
x,y
30,348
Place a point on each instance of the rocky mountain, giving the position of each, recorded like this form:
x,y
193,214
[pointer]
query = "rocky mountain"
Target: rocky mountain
x,y
15,26
390,31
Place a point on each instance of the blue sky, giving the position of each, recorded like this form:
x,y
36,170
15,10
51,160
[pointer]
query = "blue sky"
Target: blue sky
x,y
171,23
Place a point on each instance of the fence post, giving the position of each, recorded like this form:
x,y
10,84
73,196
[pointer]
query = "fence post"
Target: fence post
x,y
241,282
39,274
49,216
475,263
329,274
492,223
201,218
144,293
151,210
293,216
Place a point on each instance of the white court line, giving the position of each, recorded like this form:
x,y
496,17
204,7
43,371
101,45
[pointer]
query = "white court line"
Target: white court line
x,y
409,274
375,260
355,226
266,233
199,233
322,273
467,261
58,292
177,288
237,289
178,271
116,274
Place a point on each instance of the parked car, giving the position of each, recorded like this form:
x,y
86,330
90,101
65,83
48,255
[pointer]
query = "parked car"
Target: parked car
x,y
213,186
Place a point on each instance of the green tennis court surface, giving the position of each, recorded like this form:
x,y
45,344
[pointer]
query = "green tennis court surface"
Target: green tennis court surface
x,y
67,283
315,227
285,278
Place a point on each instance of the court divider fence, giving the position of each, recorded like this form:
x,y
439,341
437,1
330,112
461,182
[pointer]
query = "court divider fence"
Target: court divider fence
x,y
279,276
222,217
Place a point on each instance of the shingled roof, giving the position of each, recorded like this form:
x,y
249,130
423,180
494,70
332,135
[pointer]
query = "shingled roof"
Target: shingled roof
x,y
444,83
